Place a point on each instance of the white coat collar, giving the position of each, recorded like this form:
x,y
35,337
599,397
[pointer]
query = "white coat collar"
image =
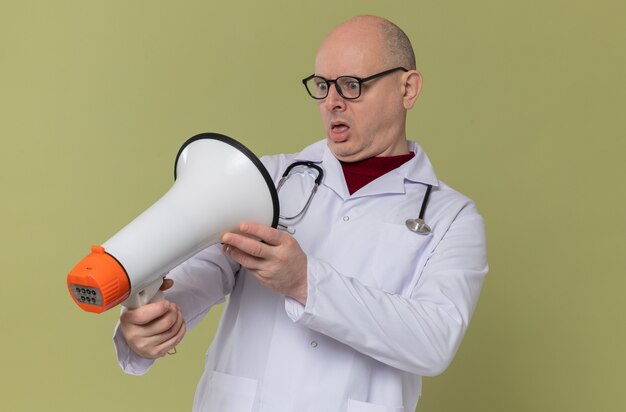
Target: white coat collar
x,y
417,170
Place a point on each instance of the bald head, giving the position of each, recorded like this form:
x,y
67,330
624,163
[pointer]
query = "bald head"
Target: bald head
x,y
399,48
385,41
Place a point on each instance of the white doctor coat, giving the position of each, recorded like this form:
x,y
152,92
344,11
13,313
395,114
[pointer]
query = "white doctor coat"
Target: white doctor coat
x,y
385,305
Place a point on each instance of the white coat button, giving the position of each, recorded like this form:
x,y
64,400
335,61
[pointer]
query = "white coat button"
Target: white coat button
x,y
313,344
346,218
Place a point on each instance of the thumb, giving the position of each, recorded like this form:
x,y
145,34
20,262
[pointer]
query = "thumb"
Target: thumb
x,y
167,283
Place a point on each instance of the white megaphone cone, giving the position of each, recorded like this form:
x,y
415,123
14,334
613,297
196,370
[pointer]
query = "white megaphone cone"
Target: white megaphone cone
x,y
219,184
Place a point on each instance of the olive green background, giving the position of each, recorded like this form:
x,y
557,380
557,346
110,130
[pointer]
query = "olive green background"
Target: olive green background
x,y
522,110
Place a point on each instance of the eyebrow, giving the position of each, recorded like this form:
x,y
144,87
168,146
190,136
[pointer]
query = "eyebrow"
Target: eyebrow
x,y
343,75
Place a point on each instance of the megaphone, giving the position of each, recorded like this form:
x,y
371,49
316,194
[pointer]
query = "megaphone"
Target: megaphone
x,y
218,184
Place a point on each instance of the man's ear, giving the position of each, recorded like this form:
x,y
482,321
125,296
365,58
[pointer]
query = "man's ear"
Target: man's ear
x,y
411,88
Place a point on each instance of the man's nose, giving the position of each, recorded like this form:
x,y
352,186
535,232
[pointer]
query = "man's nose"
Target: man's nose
x,y
334,101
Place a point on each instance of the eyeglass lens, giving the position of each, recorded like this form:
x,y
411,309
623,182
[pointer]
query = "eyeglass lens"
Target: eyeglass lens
x,y
347,86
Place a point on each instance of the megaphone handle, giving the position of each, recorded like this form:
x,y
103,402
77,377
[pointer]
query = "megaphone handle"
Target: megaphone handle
x,y
151,293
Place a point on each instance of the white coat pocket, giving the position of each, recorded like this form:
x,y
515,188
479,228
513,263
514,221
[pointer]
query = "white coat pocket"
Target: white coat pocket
x,y
228,393
358,406
399,256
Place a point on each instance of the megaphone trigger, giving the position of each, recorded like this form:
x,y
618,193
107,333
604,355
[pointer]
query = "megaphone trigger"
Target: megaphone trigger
x,y
149,294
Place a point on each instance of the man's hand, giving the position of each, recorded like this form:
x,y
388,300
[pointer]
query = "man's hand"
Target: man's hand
x,y
153,329
279,263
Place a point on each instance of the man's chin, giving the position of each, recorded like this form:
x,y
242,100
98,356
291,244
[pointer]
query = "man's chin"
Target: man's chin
x,y
344,151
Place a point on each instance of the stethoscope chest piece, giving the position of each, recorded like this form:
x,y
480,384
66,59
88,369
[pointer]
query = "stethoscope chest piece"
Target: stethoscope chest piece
x,y
418,226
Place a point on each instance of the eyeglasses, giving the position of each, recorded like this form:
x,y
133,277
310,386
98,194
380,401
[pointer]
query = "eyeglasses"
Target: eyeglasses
x,y
348,87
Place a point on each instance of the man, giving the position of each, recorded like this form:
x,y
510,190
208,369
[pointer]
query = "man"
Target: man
x,y
347,309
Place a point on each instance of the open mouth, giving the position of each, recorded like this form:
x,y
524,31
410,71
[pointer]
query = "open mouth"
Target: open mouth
x,y
339,131
339,127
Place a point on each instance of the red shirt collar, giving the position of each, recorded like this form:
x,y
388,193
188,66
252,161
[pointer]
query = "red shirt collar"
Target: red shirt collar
x,y
359,174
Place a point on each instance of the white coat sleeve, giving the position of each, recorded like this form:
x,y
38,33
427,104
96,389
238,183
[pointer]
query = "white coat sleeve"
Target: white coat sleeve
x,y
419,333
199,283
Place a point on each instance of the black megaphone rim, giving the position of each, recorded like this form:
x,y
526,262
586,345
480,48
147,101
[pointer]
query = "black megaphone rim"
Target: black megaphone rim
x,y
253,158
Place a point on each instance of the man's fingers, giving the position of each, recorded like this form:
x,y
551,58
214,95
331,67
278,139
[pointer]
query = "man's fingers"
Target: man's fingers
x,y
256,240
246,245
165,328
155,338
267,234
146,314
174,340
246,260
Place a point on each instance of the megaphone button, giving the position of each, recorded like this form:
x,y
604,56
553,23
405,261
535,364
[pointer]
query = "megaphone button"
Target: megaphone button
x,y
97,249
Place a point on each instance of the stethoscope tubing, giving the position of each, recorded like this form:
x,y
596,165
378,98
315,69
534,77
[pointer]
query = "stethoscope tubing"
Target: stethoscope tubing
x,y
318,181
425,201
415,225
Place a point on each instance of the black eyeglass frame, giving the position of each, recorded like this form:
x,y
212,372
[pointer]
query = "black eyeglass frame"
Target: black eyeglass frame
x,y
359,80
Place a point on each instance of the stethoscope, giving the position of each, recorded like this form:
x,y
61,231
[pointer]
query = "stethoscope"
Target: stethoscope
x,y
415,225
